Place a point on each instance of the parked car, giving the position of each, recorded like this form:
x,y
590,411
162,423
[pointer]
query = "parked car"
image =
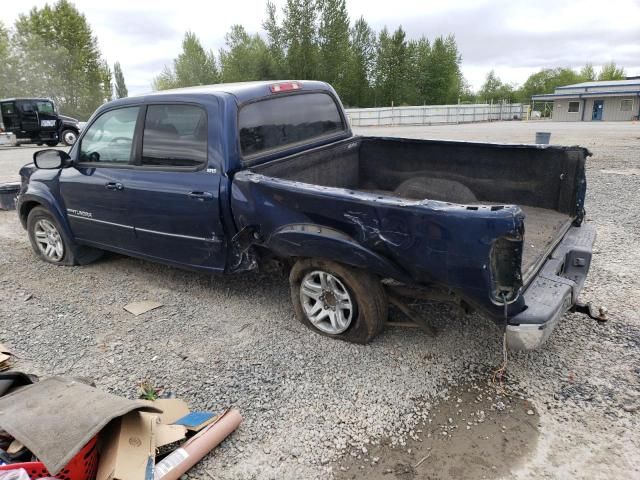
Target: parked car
x,y
69,129
31,120
228,178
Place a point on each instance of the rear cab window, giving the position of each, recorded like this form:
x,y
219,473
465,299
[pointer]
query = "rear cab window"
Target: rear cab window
x,y
280,122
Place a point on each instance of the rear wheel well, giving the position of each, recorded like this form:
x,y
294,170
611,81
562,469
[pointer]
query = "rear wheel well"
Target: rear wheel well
x,y
25,209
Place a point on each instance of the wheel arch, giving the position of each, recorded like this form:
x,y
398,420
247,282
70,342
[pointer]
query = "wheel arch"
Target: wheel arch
x,y
317,241
29,201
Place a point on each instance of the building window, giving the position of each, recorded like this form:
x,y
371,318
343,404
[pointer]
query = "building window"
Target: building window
x,y
574,107
626,105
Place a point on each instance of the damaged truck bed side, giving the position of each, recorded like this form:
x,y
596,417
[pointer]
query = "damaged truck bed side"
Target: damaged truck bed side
x,y
496,228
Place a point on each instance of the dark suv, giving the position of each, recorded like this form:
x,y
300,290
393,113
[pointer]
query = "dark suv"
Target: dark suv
x,y
31,120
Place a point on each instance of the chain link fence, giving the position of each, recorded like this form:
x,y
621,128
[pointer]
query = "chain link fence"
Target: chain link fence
x,y
437,114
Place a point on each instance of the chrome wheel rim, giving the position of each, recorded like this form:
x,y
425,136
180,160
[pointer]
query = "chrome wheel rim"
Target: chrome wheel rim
x,y
69,138
326,302
48,240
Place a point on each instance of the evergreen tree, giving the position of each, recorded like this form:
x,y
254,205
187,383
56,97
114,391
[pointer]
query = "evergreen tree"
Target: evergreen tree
x,y
333,39
299,32
58,57
120,86
610,71
194,66
357,89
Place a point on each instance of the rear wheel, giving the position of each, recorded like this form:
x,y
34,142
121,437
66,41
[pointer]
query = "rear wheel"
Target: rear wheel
x,y
337,300
52,144
51,245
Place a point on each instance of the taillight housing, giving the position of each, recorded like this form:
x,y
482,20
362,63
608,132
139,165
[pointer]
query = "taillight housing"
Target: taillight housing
x,y
506,264
285,87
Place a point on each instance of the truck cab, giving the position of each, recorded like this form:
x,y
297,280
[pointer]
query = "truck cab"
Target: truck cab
x,y
31,120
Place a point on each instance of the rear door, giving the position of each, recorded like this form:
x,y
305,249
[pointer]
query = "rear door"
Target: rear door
x,y
174,195
94,190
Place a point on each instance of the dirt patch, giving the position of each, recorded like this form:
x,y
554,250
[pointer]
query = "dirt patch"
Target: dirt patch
x,y
472,434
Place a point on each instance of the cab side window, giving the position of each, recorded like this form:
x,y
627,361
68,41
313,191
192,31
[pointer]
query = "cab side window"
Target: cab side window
x,y
174,136
110,138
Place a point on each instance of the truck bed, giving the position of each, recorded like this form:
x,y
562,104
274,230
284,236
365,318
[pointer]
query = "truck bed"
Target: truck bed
x,y
541,180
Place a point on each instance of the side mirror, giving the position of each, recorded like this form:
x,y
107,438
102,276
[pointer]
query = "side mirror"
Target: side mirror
x,y
51,159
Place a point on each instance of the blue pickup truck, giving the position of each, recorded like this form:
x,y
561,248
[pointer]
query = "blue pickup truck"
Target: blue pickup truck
x,y
236,177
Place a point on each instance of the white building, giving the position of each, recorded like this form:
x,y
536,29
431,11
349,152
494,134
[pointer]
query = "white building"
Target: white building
x,y
613,100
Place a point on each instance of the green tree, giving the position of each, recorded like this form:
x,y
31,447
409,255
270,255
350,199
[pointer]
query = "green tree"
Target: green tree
x,y
275,41
547,80
58,57
391,68
587,73
333,39
357,89
119,84
299,35
441,78
194,66
494,90
610,71
246,57
7,73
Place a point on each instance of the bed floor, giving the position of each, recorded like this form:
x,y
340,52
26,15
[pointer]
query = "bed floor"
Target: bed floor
x,y
541,230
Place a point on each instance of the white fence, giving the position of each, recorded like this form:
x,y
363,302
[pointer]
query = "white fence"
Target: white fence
x,y
436,114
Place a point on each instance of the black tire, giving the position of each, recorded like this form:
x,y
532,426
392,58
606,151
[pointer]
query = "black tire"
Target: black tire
x,y
69,137
371,305
71,254
52,144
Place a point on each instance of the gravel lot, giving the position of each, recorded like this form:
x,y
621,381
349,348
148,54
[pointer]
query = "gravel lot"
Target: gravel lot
x,y
317,408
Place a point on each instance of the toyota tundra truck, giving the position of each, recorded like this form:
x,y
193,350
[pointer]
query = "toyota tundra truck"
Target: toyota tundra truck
x,y
235,177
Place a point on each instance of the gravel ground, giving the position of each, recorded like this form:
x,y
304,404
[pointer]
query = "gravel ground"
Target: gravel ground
x,y
308,401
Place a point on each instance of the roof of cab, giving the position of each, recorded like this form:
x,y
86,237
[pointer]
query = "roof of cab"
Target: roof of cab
x,y
243,91
37,99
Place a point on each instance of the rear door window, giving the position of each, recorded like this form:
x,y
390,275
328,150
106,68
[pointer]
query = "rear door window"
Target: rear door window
x,y
175,136
283,121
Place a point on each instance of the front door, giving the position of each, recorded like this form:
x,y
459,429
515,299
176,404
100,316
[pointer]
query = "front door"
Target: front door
x,y
598,107
95,190
175,205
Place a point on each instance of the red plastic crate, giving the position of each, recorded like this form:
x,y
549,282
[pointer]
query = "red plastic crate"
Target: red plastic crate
x,y
81,467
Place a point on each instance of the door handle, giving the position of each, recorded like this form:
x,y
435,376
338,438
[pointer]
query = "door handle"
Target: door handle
x,y
114,186
201,196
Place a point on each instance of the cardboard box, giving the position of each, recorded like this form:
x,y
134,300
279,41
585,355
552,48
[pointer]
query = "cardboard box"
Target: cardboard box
x,y
129,448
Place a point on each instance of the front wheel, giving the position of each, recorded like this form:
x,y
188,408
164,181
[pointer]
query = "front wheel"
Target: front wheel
x,y
51,245
52,144
69,137
337,300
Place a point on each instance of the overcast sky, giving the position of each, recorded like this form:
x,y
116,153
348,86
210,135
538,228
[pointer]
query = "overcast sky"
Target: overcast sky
x,y
513,37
